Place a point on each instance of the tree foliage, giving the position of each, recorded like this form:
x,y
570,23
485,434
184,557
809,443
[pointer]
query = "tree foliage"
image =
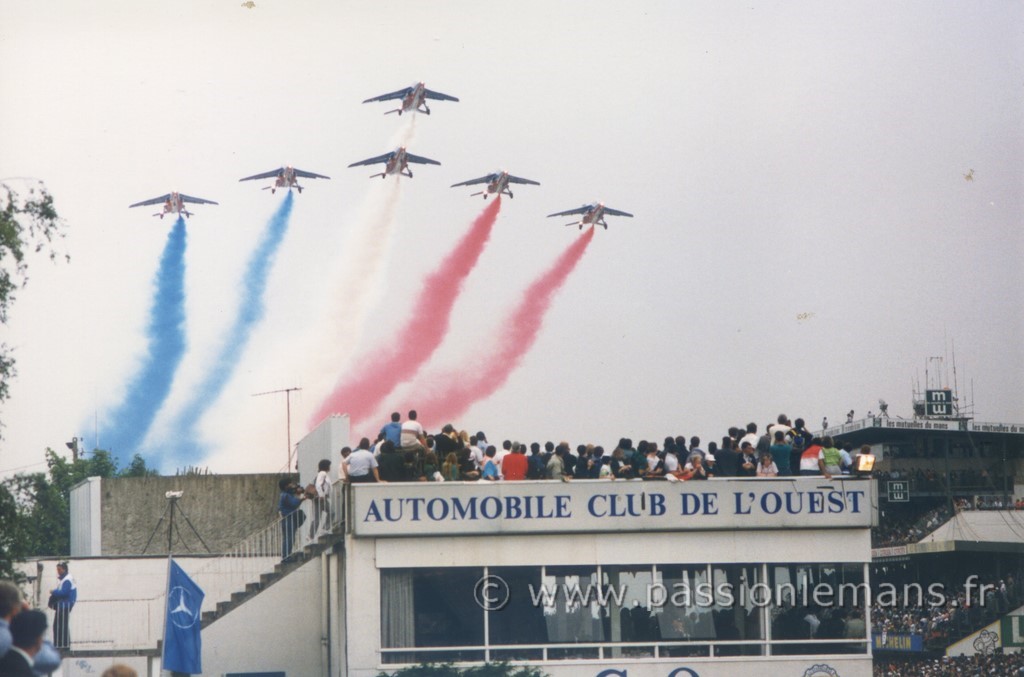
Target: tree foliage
x,y
29,223
35,508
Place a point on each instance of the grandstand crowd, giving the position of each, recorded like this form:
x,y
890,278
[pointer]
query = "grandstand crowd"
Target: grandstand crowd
x,y
981,665
404,452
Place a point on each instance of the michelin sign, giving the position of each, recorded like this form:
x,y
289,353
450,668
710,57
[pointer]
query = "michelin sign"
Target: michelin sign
x,y
419,509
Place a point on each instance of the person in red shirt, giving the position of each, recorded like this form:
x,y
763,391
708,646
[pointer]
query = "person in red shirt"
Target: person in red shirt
x,y
809,456
513,466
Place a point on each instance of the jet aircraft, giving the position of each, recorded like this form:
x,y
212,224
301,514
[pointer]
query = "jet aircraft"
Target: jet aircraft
x,y
413,99
592,213
285,177
497,183
173,202
396,162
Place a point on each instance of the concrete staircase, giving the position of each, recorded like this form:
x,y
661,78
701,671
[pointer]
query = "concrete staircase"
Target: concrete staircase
x,y
328,541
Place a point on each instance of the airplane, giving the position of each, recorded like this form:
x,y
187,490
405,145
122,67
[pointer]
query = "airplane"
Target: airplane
x,y
496,183
173,202
592,213
397,162
413,98
285,177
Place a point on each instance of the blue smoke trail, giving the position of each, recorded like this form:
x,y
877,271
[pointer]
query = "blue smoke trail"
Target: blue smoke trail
x,y
187,448
166,334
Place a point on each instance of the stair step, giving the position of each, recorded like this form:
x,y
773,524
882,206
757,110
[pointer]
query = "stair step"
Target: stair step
x,y
281,569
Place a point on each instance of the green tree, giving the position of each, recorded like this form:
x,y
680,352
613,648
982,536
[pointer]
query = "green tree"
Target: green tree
x,y
35,508
28,224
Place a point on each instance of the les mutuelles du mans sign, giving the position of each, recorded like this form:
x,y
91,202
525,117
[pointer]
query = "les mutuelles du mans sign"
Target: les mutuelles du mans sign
x,y
420,509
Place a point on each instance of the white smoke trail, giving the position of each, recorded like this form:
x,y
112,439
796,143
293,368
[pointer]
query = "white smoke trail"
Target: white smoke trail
x,y
360,283
355,280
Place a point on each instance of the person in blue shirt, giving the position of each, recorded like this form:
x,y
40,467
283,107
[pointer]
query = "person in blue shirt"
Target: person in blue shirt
x,y
490,467
393,431
288,505
62,600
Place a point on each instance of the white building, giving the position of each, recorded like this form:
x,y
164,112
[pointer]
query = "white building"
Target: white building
x,y
591,578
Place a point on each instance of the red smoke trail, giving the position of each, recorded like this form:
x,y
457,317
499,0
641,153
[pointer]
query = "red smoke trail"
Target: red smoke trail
x,y
484,376
420,337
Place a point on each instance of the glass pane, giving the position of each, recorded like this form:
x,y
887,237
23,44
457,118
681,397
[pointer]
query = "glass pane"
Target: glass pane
x,y
815,603
682,602
572,611
521,619
573,654
737,615
517,654
430,607
446,656
628,615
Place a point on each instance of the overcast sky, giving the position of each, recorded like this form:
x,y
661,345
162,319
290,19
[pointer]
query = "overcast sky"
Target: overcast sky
x,y
804,235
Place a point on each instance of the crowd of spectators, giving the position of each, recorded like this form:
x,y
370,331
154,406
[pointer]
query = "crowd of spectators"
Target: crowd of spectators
x,y
404,452
941,624
928,479
981,665
902,531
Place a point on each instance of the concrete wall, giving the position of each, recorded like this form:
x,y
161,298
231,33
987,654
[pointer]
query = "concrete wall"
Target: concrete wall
x,y
121,599
324,441
224,509
86,527
279,629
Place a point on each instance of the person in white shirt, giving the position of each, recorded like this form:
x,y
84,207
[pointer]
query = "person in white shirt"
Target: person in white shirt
x,y
322,502
413,435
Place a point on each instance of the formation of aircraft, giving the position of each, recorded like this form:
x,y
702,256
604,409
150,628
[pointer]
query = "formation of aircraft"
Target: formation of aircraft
x,y
285,177
174,202
592,213
413,99
497,183
395,162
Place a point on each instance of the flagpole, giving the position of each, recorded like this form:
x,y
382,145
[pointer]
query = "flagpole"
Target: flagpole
x,y
167,602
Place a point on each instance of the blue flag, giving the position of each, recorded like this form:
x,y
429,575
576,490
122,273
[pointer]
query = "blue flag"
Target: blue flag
x,y
183,646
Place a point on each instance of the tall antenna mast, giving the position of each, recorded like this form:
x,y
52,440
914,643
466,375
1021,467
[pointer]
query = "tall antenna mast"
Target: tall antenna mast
x,y
288,413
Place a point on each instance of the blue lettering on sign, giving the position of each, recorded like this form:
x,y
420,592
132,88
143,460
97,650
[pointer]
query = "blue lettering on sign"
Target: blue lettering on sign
x,y
417,509
626,505
612,505
704,504
832,501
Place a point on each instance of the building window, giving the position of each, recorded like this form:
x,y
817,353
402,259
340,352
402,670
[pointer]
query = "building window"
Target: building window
x,y
424,608
546,613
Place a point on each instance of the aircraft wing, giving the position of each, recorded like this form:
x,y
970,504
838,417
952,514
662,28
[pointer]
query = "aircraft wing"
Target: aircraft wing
x,y
391,95
519,179
616,212
195,200
274,173
310,175
154,201
579,210
482,179
420,159
374,160
431,94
